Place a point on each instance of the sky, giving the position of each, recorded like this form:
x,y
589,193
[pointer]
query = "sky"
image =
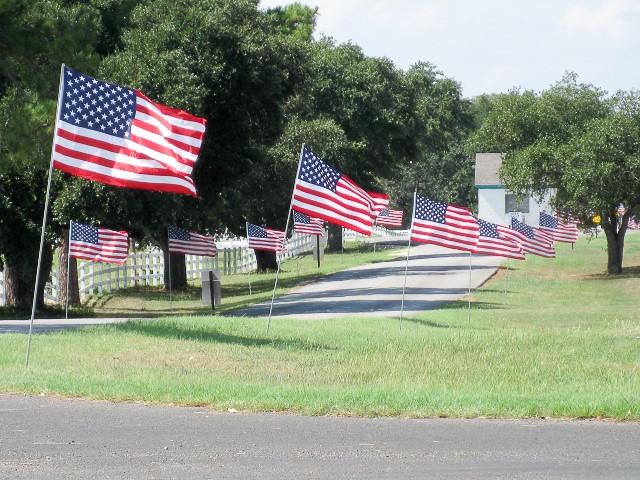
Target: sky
x,y
491,46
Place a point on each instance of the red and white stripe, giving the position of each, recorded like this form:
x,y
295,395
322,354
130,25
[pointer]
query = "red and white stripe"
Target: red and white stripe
x,y
349,206
380,201
200,245
539,245
460,232
314,227
392,219
499,247
112,247
275,241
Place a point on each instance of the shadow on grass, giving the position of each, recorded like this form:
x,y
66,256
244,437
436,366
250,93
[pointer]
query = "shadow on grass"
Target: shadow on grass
x,y
627,272
210,335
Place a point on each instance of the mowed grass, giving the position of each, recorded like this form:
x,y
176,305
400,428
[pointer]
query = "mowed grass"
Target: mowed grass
x,y
564,341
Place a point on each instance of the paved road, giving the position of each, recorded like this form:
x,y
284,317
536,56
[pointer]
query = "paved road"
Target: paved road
x,y
48,438
436,275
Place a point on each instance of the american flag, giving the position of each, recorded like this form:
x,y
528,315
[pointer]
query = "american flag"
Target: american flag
x,y
265,238
380,202
559,230
532,239
305,224
391,218
191,243
633,223
97,244
323,192
117,136
445,225
495,241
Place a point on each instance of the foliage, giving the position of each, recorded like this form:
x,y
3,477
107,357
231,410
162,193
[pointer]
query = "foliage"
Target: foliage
x,y
577,140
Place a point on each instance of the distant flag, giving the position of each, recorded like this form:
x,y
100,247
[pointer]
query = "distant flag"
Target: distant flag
x,y
305,224
496,241
265,238
191,243
532,240
390,218
322,191
633,223
380,202
560,231
445,225
117,136
97,244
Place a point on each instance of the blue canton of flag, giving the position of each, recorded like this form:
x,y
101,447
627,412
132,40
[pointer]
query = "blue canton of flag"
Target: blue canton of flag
x,y
97,105
427,209
488,229
317,172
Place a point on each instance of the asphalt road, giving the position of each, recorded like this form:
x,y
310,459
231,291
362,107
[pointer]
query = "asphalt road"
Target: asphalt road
x,y
436,275
49,438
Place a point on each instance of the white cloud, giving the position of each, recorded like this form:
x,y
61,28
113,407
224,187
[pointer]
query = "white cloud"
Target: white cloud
x,y
612,18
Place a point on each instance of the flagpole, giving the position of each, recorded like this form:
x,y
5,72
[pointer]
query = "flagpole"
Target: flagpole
x,y
66,305
169,265
469,294
406,266
375,224
44,219
275,284
246,226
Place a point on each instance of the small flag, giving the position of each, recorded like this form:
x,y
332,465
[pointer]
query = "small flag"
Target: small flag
x,y
191,243
390,218
97,244
305,224
117,136
265,238
560,231
445,225
532,240
494,242
380,202
322,191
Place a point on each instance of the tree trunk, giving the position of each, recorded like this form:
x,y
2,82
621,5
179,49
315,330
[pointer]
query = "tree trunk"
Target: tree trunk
x,y
20,278
334,242
178,268
267,261
74,292
615,241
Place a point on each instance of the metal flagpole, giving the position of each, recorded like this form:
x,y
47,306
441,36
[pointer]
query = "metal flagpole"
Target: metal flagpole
x,y
44,219
246,224
469,293
275,284
406,266
66,305
169,265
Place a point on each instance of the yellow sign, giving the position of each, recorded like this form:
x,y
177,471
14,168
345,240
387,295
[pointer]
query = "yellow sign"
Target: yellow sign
x,y
596,219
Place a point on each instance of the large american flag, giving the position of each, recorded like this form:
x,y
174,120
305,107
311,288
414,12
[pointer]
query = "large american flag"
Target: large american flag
x,y
495,240
445,225
191,243
305,224
117,136
559,230
390,218
97,244
380,202
323,192
532,239
265,238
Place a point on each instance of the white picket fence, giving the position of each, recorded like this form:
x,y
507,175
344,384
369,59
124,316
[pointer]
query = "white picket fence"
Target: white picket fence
x,y
147,268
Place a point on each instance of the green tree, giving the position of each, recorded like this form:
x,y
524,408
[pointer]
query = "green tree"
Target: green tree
x,y
577,140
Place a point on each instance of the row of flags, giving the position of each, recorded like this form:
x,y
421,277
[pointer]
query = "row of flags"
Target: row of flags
x,y
118,136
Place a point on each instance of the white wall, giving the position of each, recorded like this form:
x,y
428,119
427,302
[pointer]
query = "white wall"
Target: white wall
x,y
491,207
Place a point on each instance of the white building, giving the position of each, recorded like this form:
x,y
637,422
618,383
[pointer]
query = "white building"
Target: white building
x,y
495,203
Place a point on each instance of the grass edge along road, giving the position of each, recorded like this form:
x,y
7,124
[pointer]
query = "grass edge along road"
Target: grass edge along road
x,y
563,342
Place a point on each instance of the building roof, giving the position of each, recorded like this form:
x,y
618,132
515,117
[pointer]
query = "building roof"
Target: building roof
x,y
487,166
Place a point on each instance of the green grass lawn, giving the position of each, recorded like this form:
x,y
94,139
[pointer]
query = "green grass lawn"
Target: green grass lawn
x,y
564,341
